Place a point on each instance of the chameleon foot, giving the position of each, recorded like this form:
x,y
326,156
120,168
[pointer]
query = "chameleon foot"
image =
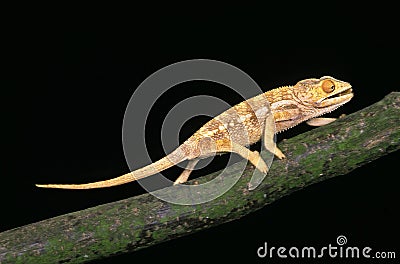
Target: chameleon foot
x,y
186,173
278,153
258,162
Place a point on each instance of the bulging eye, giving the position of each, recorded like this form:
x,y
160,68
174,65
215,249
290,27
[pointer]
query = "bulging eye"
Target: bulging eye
x,y
328,86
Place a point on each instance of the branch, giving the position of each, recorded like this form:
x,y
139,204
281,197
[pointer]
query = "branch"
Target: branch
x,y
142,221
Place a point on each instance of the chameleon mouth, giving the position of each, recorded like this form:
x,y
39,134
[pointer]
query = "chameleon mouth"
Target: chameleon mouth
x,y
348,91
337,99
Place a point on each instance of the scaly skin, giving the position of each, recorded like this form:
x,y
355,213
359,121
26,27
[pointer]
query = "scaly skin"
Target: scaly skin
x,y
243,125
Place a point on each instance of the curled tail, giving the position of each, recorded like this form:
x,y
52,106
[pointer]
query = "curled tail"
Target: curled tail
x,y
168,161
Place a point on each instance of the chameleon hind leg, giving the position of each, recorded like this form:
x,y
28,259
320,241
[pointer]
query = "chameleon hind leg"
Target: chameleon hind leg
x,y
227,146
252,156
186,173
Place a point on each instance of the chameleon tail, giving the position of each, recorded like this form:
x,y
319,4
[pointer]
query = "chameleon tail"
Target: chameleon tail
x,y
170,160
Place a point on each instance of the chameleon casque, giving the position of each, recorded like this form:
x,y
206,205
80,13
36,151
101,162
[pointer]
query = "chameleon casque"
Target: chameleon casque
x,y
243,125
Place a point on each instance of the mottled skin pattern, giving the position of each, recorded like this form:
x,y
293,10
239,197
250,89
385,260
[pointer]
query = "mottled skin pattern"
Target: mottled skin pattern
x,y
243,125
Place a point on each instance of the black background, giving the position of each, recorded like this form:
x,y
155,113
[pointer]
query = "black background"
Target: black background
x,y
72,73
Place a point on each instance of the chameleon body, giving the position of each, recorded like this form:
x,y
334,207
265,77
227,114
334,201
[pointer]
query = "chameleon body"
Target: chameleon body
x,y
243,125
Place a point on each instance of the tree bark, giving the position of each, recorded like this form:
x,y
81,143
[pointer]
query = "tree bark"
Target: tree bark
x,y
134,223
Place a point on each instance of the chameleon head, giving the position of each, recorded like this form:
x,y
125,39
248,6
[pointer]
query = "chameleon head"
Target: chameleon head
x,y
324,93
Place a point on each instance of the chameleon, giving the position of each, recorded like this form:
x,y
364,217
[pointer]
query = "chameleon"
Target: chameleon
x,y
245,124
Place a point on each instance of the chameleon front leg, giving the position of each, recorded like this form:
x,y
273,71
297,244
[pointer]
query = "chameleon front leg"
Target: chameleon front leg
x,y
322,121
268,138
186,173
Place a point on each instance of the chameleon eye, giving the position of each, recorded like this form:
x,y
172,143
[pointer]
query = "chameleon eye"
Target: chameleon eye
x,y
328,86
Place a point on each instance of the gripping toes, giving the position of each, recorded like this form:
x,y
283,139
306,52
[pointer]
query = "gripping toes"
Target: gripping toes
x,y
279,154
258,162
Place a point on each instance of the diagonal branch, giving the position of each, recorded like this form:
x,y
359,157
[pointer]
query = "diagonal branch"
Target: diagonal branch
x,y
142,221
